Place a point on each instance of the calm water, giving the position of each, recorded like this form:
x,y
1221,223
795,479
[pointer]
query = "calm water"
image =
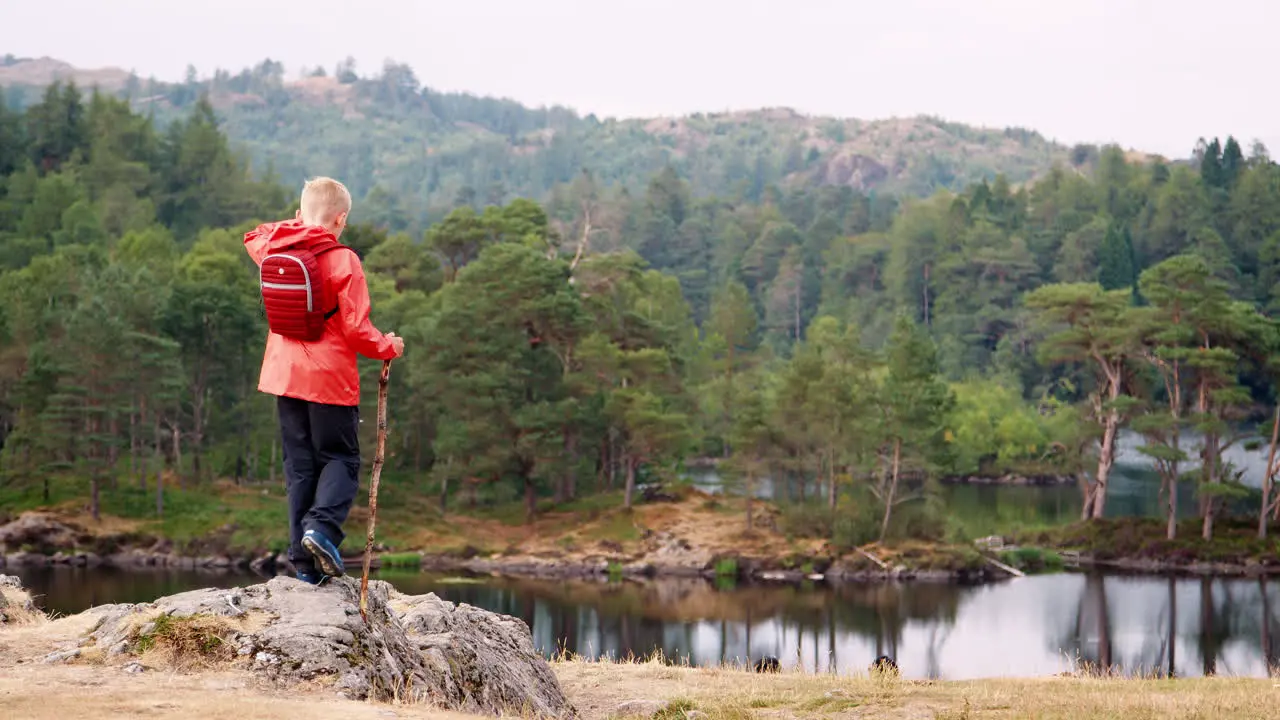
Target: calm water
x,y
1024,627
1133,491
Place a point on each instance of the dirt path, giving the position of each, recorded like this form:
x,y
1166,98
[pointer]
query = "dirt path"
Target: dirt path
x,y
42,692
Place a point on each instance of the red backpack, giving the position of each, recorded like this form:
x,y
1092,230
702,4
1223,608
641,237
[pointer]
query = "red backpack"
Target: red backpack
x,y
295,295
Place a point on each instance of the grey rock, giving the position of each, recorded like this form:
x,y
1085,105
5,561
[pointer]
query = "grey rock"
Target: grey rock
x,y
21,559
416,648
134,668
266,658
36,529
61,656
264,564
642,708
485,661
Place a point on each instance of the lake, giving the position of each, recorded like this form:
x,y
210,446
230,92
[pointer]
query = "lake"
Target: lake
x,y
1133,491
1032,626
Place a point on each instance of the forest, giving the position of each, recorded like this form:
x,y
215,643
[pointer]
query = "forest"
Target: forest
x,y
856,347
410,153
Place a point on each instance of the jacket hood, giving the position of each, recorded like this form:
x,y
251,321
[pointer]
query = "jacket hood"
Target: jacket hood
x,y
289,233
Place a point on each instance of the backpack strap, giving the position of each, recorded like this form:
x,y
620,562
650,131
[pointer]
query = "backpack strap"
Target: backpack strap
x,y
321,248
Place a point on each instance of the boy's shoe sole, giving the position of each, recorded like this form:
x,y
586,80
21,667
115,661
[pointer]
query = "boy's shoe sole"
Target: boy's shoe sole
x,y
324,552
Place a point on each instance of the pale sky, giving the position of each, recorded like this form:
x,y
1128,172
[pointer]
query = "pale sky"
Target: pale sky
x,y
1149,74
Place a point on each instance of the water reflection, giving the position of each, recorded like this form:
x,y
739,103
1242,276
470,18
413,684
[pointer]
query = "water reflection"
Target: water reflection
x,y
1027,627
1134,491
1173,627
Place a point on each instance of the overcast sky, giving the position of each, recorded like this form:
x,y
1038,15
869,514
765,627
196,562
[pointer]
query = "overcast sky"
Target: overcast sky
x,y
1149,74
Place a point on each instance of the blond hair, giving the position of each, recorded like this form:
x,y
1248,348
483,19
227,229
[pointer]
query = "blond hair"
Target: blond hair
x,y
323,200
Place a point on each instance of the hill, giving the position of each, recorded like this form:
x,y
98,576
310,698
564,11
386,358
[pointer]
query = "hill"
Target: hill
x,y
388,130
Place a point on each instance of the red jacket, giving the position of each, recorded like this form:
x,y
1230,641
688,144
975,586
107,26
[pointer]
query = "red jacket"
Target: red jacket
x,y
323,371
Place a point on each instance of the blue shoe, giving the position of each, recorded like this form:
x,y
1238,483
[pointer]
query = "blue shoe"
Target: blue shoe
x,y
325,553
313,577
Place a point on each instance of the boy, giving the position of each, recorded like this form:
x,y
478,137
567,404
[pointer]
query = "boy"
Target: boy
x,y
317,305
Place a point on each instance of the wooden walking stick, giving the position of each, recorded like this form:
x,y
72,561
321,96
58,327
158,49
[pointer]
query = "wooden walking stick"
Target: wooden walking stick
x,y
373,486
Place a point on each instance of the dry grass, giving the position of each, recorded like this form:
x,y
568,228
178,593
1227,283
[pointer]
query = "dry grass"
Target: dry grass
x,y
186,644
710,525
599,687
177,686
16,608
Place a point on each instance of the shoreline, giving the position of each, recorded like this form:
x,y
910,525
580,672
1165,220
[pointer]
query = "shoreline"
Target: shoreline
x,y
539,569
682,538
749,571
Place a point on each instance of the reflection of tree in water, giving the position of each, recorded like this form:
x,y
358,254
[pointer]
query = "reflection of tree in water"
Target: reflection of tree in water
x,y
69,590
1089,638
746,623
1224,612
1270,653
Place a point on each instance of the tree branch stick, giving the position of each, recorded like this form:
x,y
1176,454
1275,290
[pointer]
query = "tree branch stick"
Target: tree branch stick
x,y
373,486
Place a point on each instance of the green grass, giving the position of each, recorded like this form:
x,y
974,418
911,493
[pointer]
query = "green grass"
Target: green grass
x,y
1235,541
401,560
618,527
1032,559
727,567
676,709
189,640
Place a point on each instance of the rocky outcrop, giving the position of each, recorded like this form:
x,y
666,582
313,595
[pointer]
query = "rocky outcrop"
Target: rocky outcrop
x,y
38,532
417,648
42,540
485,661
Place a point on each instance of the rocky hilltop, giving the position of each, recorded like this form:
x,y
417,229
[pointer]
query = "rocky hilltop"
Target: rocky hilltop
x,y
286,633
392,130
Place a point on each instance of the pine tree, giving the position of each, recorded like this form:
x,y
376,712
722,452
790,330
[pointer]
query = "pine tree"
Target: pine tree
x,y
915,403
1233,162
1115,259
1090,326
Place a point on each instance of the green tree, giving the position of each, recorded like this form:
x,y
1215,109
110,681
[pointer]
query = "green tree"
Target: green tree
x,y
491,355
1173,290
458,240
732,330
1088,327
754,441
915,404
1115,259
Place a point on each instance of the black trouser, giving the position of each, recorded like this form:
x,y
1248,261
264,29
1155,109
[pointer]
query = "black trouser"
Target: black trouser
x,y
322,465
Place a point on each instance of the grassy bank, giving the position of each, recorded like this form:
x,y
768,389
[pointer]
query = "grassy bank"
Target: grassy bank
x,y
691,530
694,531
1137,543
